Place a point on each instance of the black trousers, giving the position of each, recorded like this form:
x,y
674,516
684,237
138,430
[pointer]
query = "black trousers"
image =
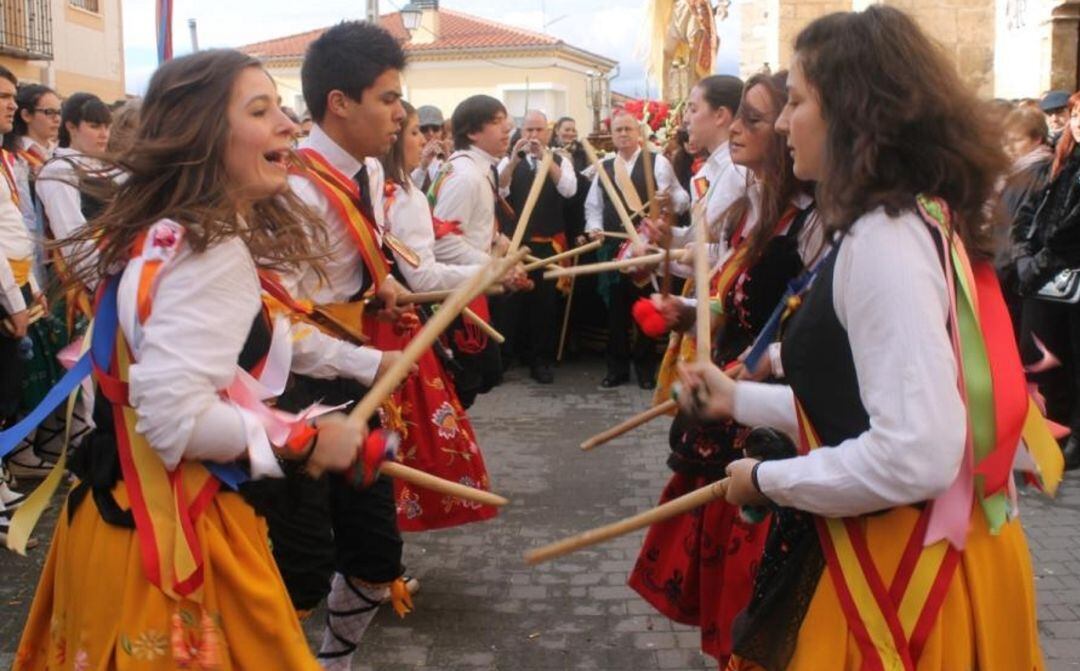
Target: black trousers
x,y
626,342
1057,326
12,369
326,525
531,320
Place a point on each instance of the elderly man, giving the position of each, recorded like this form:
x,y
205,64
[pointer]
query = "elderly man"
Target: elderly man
x,y
530,320
619,291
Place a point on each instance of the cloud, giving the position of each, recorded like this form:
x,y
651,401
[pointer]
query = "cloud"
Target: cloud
x,y
606,27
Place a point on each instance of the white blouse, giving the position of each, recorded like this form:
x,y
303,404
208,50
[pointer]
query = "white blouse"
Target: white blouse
x,y
186,353
890,295
467,196
57,188
409,220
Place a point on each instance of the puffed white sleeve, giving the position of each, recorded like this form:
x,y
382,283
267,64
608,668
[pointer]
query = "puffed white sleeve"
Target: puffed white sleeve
x,y
10,294
319,355
594,207
59,194
667,182
890,295
567,184
453,203
409,220
187,352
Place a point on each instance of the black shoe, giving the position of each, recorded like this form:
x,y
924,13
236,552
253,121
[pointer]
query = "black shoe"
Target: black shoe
x,y
1071,452
612,381
542,374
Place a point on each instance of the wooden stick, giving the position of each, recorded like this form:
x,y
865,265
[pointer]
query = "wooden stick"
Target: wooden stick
x,y
615,234
603,267
491,272
612,193
530,201
566,316
487,328
432,483
683,504
701,290
529,258
650,179
562,256
440,296
629,425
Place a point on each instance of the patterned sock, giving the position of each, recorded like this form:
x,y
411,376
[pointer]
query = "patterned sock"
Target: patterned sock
x,y
350,609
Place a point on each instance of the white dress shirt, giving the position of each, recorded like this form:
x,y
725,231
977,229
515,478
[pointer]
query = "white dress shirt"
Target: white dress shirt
x,y
16,243
890,295
467,196
665,182
343,265
567,184
408,218
58,189
420,174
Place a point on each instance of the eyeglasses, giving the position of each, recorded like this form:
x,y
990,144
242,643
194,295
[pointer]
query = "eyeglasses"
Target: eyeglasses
x,y
430,129
48,111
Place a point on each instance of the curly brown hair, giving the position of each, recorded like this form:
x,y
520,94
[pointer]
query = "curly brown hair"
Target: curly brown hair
x,y
175,169
900,123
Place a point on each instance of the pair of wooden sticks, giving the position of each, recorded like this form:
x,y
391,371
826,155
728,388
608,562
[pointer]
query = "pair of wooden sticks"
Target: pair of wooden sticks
x,y
452,306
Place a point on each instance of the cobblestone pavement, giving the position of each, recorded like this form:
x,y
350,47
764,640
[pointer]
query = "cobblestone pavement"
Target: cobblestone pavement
x,y
481,607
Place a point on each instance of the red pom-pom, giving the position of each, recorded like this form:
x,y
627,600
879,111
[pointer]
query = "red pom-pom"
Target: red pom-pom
x,y
649,318
381,445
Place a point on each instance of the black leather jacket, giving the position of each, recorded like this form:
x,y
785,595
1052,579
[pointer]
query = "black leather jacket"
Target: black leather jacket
x,y
1046,233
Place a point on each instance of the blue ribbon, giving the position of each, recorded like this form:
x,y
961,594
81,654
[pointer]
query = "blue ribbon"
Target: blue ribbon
x,y
102,342
102,345
769,332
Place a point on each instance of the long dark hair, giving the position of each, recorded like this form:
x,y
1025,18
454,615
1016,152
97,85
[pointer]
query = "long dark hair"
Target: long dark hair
x,y
176,169
900,123
778,182
27,98
79,108
394,160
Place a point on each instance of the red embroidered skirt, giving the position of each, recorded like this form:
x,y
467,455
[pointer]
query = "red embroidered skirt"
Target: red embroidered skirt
x,y
698,568
436,437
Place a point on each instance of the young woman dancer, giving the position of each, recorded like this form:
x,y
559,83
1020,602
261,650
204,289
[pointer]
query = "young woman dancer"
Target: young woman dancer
x,y
437,436
156,562
699,568
883,553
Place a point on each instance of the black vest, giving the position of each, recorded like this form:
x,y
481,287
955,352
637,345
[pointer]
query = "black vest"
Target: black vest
x,y
819,365
547,218
637,178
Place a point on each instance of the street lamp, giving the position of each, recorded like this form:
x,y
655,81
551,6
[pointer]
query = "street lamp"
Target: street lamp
x,y
410,16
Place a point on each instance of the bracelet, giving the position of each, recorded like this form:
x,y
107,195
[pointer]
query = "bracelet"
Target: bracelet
x,y
754,480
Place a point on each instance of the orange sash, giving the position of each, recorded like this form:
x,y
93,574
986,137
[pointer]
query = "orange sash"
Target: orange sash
x,y
344,196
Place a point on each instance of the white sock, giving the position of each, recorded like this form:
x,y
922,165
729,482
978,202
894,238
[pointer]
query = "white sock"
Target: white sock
x,y
350,609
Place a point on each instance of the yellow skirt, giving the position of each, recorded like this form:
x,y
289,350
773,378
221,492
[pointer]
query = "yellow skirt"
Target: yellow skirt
x,y
95,609
987,622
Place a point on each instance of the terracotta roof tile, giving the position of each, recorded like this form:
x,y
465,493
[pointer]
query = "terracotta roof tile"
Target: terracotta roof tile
x,y
456,31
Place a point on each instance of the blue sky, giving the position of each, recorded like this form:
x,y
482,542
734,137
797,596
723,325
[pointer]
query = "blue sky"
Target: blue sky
x,y
607,27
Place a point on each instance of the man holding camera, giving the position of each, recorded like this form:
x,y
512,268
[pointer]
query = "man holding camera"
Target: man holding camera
x,y
436,146
530,320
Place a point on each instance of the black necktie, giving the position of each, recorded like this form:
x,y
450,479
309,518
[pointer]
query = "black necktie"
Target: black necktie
x,y
361,179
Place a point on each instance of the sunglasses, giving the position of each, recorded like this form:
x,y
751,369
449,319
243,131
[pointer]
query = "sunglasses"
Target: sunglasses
x,y
48,111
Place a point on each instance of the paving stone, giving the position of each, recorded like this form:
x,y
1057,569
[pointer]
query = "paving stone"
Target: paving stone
x,y
482,608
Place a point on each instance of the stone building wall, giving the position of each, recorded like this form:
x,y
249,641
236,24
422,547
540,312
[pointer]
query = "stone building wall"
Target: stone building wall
x,y
965,28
